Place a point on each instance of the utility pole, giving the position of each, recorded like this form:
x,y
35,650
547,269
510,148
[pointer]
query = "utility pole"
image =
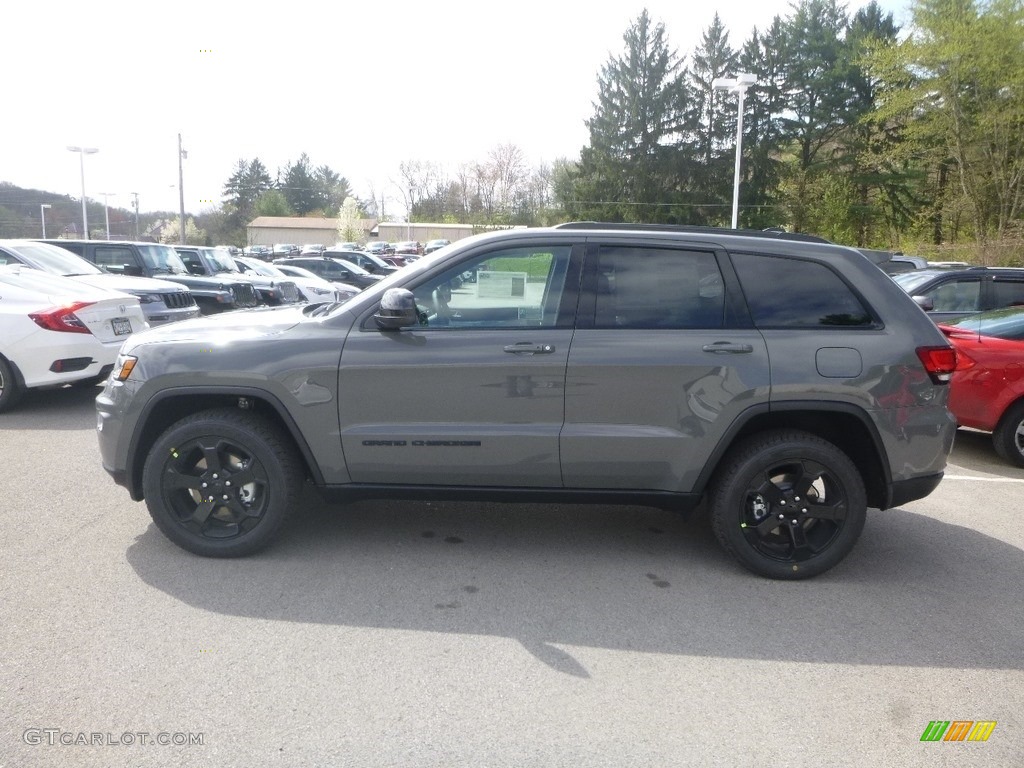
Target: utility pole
x,y
135,203
182,154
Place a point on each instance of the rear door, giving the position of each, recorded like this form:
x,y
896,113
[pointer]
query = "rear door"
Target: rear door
x,y
474,395
663,361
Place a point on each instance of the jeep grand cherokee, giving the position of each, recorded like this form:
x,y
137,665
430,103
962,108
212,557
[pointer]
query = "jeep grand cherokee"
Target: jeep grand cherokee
x,y
788,382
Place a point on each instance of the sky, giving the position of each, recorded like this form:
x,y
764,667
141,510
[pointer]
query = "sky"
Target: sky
x,y
358,88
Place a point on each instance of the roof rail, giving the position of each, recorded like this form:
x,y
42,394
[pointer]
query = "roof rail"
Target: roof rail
x,y
766,233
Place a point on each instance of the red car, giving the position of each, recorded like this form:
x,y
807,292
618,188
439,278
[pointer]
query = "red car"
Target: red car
x,y
987,389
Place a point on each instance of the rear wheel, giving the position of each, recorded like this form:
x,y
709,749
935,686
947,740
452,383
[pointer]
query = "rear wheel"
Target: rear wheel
x,y
10,392
220,483
788,505
1008,437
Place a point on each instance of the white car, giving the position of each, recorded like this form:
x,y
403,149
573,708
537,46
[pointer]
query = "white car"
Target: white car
x,y
318,287
55,330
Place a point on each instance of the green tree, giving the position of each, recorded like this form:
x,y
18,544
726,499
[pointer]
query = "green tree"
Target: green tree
x,y
272,203
622,175
296,182
711,121
955,86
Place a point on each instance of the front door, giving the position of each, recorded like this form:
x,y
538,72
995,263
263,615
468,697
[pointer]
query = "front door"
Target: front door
x,y
474,395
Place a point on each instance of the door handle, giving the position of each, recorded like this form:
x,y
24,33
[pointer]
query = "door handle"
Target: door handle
x,y
728,348
526,348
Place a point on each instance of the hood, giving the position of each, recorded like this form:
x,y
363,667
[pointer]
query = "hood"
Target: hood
x,y
223,329
128,284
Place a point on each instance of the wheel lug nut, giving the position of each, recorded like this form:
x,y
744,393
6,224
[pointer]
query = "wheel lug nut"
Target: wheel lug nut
x,y
794,521
796,498
228,484
226,497
804,510
782,517
214,475
783,502
204,485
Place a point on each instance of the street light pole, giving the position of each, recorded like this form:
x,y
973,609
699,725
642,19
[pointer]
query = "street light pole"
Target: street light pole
x,y
82,152
737,85
106,210
408,218
42,216
182,154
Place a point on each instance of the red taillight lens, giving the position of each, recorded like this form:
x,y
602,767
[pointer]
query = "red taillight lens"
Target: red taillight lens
x,y
964,361
939,362
62,318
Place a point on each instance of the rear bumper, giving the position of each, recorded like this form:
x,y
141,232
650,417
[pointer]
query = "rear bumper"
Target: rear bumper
x,y
904,491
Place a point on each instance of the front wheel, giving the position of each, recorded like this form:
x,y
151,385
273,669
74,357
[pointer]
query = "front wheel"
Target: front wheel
x,y
1008,437
220,483
788,505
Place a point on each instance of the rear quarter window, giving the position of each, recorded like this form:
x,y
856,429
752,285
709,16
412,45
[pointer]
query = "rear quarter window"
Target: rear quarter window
x,y
793,293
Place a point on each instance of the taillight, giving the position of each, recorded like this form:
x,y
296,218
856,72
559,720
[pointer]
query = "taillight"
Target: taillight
x,y
939,362
964,361
62,318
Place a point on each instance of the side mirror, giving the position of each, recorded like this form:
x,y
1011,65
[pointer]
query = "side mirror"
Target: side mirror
x,y
924,302
133,270
397,310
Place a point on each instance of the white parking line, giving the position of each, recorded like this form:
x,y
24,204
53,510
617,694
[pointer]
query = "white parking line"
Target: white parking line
x,y
985,479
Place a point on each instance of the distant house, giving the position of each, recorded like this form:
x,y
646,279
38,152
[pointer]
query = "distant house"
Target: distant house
x,y
267,230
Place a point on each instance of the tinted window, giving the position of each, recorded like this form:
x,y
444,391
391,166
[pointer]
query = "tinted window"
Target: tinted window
x,y
783,293
1008,293
658,288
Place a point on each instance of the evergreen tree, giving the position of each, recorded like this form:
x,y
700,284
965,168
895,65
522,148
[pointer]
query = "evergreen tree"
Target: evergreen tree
x,y
711,121
634,131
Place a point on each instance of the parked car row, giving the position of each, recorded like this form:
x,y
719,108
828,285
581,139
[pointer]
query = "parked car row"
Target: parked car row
x,y
981,311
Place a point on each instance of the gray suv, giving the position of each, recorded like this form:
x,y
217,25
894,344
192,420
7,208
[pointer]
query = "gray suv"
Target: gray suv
x,y
787,383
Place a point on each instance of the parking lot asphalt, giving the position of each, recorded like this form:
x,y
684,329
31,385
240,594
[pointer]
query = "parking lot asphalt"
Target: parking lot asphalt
x,y
427,634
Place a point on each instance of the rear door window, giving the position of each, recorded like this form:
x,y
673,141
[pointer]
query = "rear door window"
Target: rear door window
x,y
794,293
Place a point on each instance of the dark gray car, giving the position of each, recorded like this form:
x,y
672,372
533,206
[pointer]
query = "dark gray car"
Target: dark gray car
x,y
788,383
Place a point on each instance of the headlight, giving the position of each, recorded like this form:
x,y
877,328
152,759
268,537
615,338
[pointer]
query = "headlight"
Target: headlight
x,y
149,298
123,367
320,291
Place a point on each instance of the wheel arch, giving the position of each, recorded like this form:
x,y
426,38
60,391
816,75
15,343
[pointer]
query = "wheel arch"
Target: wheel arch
x,y
173,404
846,426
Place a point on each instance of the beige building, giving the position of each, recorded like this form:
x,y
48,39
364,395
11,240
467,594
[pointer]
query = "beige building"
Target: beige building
x,y
267,230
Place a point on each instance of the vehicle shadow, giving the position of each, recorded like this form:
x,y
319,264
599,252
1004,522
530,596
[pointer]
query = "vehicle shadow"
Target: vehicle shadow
x,y
68,407
915,592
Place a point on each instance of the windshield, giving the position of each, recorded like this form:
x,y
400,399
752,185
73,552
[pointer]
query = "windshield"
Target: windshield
x,y
221,262
267,270
354,268
162,258
911,281
299,272
56,261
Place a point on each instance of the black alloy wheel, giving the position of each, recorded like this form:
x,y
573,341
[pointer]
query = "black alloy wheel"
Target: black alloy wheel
x,y
220,483
788,505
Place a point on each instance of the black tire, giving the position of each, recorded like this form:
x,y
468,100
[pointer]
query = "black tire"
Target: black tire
x,y
249,467
787,504
10,390
1008,437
